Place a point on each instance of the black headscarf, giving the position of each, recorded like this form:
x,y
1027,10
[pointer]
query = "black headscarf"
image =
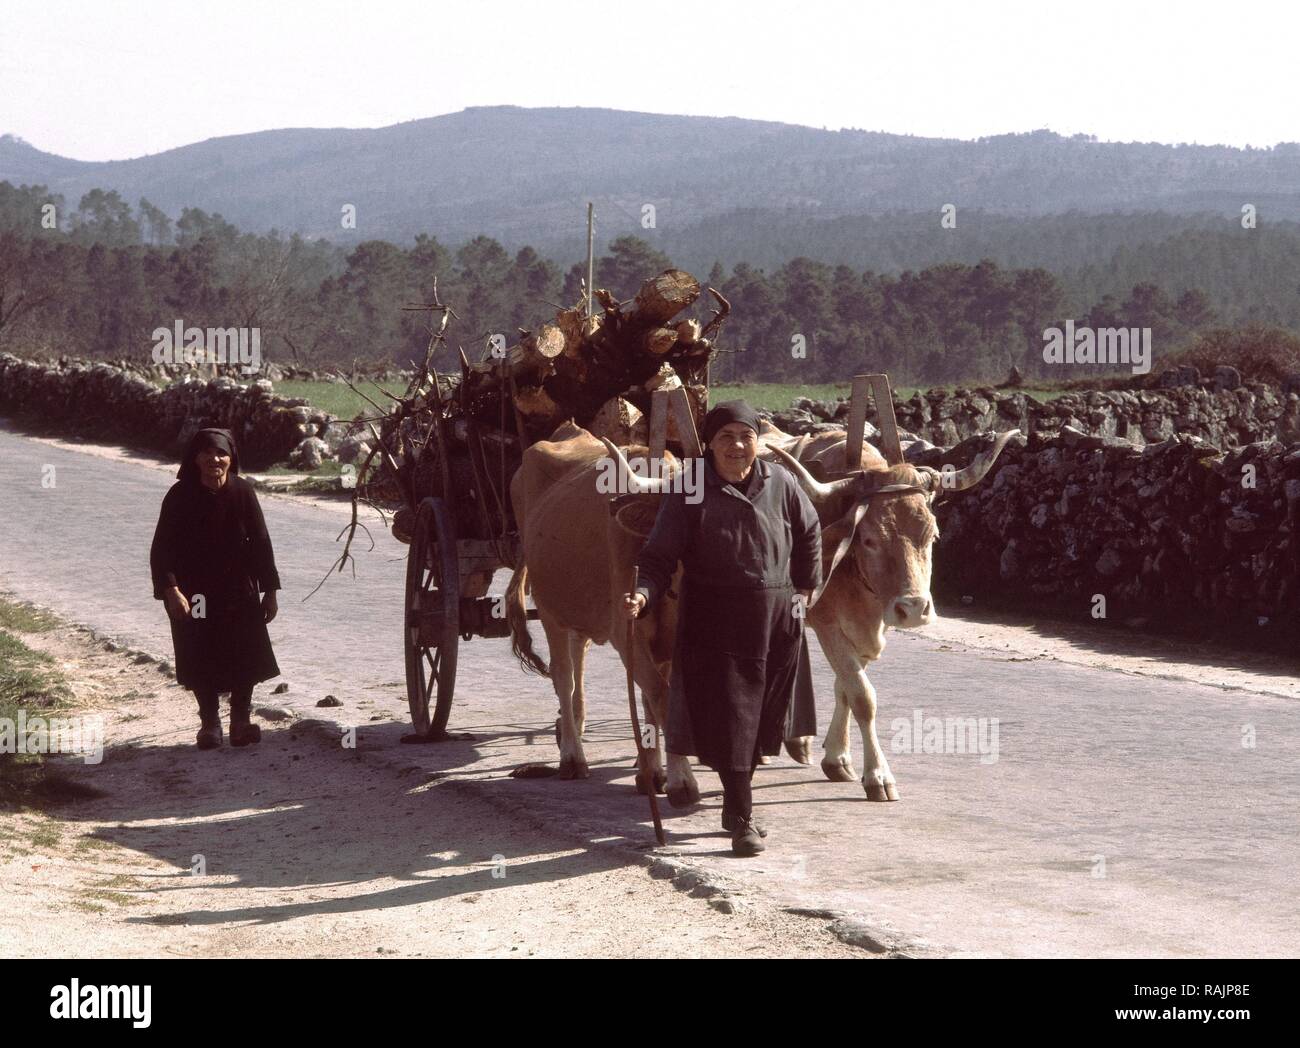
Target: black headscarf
x,y
726,412
208,438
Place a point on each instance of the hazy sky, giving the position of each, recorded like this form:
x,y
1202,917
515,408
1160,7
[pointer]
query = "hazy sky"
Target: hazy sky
x,y
100,81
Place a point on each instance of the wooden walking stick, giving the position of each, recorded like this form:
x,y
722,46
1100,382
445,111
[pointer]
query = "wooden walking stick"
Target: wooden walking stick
x,y
636,721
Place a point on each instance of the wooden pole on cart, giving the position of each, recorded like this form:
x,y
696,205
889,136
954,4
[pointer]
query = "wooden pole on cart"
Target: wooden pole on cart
x,y
591,252
636,721
674,404
883,399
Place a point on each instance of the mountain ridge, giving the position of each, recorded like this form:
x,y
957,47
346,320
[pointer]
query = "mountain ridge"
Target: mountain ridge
x,y
523,176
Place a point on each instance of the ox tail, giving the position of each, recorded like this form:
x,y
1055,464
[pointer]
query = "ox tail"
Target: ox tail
x,y
521,641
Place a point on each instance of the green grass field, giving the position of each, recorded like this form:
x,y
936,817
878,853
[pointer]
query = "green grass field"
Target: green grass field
x,y
345,404
342,402
336,398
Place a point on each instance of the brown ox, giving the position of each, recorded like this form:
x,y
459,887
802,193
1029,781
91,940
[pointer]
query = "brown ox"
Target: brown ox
x,y
576,563
882,580
880,515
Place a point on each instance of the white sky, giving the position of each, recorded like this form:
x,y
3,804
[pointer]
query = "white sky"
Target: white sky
x,y
99,81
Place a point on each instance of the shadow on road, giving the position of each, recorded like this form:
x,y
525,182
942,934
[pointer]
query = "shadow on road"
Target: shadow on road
x,y
298,814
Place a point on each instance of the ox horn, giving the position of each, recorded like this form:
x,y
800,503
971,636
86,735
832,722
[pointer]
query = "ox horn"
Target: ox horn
x,y
962,479
818,493
628,481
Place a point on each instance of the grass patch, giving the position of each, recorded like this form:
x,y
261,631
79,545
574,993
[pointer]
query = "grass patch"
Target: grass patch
x,y
328,468
88,907
45,837
120,880
771,396
117,898
323,480
24,618
30,684
335,397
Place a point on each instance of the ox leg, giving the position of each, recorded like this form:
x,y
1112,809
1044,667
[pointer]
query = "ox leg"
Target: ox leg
x,y
573,761
682,789
851,675
877,779
579,646
837,760
650,764
679,783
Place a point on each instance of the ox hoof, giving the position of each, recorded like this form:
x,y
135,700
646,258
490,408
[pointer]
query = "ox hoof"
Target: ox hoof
x,y
800,749
881,791
660,780
837,771
571,768
684,796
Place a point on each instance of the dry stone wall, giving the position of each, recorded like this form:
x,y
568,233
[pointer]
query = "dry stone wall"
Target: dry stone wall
x,y
1223,417
110,402
1174,533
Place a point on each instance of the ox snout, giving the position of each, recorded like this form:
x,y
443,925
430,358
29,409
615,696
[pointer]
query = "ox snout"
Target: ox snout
x,y
909,612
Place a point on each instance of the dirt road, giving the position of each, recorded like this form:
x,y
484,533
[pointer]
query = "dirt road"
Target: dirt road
x,y
1139,797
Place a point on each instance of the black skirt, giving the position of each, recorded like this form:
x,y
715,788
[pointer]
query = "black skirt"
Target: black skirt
x,y
735,663
227,649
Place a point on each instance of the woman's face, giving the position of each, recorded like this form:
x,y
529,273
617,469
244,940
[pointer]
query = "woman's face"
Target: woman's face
x,y
213,464
734,447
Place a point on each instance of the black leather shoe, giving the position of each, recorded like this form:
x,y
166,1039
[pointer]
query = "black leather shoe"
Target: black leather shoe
x,y
745,840
729,823
242,733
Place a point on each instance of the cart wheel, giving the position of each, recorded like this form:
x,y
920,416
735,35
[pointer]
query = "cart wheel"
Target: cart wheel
x,y
432,623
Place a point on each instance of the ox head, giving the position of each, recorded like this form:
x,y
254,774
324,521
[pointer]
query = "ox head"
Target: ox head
x,y
629,481
881,523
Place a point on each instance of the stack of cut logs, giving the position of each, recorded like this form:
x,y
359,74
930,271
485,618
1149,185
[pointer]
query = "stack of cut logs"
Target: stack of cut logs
x,y
600,371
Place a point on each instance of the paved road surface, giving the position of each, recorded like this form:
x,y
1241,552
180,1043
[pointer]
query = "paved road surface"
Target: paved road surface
x,y
1122,816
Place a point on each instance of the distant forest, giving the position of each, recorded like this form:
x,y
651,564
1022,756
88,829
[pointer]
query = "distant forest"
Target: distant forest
x,y
110,273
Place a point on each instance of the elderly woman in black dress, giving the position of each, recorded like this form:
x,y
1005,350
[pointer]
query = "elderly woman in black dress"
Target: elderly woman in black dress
x,y
751,558
211,556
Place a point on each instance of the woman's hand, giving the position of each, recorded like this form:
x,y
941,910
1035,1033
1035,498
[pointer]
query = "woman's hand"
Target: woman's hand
x,y
177,606
632,604
269,605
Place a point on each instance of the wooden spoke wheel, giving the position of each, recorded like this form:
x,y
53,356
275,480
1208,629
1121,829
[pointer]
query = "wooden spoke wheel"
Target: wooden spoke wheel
x,y
432,621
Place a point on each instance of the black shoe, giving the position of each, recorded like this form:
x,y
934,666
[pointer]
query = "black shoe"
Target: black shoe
x,y
209,736
729,823
745,839
242,733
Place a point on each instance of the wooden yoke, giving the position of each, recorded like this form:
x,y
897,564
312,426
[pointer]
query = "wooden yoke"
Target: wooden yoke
x,y
672,404
883,399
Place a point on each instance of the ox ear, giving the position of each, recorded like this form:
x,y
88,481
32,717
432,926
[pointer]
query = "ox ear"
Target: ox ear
x,y
832,535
